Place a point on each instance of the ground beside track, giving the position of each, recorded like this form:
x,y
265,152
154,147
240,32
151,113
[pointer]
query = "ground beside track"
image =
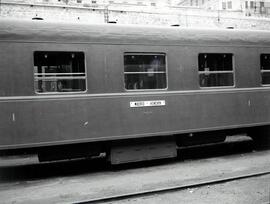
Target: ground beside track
x,y
254,190
87,186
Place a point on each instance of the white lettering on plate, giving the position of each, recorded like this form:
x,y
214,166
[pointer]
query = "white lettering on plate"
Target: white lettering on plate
x,y
134,104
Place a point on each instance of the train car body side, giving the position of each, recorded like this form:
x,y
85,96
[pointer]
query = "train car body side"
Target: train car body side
x,y
106,111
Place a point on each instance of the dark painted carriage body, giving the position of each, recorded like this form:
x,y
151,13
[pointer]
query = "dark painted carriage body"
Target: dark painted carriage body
x,y
103,112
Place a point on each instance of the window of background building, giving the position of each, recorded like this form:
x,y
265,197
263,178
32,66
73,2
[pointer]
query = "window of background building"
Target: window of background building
x,y
252,4
224,5
56,72
229,4
216,69
265,68
145,71
262,9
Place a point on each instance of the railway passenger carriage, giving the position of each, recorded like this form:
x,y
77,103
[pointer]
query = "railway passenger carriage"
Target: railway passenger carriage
x,y
134,92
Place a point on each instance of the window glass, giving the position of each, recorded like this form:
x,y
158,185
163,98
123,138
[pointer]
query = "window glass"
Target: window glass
x,y
216,70
56,72
145,71
265,68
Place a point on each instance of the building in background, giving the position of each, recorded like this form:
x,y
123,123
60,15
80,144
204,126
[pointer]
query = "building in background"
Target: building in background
x,y
247,7
185,13
256,7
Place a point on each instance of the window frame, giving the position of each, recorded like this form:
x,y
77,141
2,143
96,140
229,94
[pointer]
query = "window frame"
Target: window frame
x,y
263,71
146,53
60,93
219,72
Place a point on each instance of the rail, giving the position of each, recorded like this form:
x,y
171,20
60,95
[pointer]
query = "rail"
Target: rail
x,y
170,189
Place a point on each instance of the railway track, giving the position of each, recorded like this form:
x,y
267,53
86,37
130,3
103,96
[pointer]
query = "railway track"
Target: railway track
x,y
172,188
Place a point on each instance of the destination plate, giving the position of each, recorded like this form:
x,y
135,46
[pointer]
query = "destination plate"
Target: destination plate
x,y
135,104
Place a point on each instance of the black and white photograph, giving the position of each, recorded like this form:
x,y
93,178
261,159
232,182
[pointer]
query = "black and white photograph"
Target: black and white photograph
x,y
135,101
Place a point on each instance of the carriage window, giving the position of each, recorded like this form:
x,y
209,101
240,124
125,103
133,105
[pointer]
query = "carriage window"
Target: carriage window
x,y
265,68
216,70
56,72
145,71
